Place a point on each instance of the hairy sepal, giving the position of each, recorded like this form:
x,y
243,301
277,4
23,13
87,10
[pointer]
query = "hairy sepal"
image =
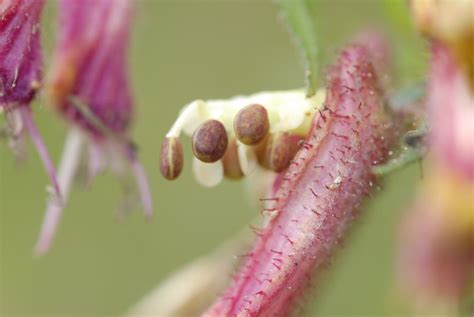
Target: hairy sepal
x,y
320,194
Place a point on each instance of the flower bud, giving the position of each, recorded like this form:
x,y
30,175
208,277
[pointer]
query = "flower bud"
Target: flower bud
x,y
251,124
231,162
171,158
210,141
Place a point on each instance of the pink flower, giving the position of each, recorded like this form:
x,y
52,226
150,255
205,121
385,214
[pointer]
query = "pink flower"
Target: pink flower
x,y
89,86
436,251
436,248
90,64
451,114
21,64
318,197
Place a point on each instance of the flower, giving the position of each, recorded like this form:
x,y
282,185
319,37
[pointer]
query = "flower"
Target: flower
x,y
436,244
316,199
450,114
21,62
334,138
89,86
436,248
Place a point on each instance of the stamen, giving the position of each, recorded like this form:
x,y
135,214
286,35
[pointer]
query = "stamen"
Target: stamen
x,y
286,113
14,130
251,124
210,141
40,147
189,115
247,158
276,155
208,174
143,186
14,122
171,158
96,161
231,163
67,169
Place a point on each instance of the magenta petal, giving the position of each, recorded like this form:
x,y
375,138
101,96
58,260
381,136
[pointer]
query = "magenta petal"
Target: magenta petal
x,y
91,63
435,262
451,114
20,51
326,186
20,69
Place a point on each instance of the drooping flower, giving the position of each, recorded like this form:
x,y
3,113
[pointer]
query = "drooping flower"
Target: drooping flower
x,y
89,86
316,195
21,63
436,252
450,105
436,247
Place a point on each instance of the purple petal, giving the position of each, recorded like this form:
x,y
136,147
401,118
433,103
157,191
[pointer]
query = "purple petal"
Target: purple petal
x,y
91,63
20,51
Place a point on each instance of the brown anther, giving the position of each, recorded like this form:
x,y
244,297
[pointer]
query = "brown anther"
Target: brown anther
x,y
210,141
171,158
231,163
251,124
277,152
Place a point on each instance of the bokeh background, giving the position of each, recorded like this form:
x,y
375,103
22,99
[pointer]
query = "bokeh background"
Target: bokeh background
x,y
101,264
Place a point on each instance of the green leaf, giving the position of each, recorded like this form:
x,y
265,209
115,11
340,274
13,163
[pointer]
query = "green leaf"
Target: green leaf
x,y
413,149
301,23
405,158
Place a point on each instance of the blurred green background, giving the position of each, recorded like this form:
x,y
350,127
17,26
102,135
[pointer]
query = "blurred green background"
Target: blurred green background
x,y
183,50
